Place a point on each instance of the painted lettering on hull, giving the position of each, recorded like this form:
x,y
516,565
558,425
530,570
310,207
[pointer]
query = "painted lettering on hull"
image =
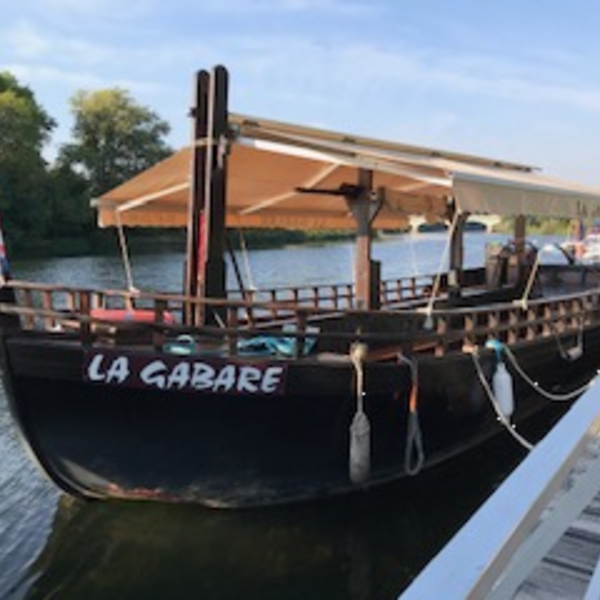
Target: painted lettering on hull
x,y
216,376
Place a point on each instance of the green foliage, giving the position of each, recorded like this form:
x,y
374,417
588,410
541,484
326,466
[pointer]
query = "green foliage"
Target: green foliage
x,y
69,204
114,138
25,126
47,208
24,182
536,226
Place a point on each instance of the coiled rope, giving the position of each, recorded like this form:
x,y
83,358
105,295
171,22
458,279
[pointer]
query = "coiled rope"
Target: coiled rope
x,y
414,455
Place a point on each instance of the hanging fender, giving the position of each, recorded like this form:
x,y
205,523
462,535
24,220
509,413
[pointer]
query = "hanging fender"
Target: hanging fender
x,y
360,429
502,382
502,385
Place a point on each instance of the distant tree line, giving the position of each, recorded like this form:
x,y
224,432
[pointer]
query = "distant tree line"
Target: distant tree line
x,y
46,206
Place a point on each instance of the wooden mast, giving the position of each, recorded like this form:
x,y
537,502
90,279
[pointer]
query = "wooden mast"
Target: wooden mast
x,y
199,116
205,272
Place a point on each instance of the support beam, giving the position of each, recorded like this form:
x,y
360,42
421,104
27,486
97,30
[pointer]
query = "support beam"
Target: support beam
x,y
199,115
212,272
520,233
365,207
457,251
205,266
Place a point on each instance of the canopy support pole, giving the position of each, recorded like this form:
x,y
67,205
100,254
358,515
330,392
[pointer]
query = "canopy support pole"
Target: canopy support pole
x,y
199,117
457,252
520,233
205,274
365,207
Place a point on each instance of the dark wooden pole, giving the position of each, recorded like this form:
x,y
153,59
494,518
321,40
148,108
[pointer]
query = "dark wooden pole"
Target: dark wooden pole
x,y
520,247
205,266
457,251
520,234
199,115
212,273
364,209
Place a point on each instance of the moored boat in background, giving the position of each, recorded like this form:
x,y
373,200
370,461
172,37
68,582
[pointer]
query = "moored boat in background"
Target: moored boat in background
x,y
253,397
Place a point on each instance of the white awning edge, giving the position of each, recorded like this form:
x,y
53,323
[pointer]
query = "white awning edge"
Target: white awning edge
x,y
526,194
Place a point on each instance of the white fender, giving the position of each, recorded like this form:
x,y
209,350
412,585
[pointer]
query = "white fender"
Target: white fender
x,y
360,448
503,389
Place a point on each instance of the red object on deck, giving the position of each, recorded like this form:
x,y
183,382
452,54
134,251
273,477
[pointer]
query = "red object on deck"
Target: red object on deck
x,y
123,314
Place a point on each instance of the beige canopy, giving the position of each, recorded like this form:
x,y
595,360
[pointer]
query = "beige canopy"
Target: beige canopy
x,y
269,161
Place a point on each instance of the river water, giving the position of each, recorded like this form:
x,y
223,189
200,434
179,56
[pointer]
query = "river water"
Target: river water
x,y
368,546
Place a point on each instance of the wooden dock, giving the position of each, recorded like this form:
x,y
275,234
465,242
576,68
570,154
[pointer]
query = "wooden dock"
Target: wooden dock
x,y
566,571
538,536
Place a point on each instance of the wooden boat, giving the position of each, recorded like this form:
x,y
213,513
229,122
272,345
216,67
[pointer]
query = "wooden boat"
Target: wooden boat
x,y
251,398
584,245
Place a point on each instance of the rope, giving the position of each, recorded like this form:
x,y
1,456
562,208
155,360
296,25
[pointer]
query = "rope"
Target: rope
x,y
575,351
438,278
414,263
360,429
246,257
496,406
414,455
357,356
125,254
536,386
523,301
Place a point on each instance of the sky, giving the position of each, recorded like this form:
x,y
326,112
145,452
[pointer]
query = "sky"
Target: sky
x,y
508,79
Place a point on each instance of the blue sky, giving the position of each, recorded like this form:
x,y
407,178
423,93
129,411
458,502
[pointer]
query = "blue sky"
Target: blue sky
x,y
510,79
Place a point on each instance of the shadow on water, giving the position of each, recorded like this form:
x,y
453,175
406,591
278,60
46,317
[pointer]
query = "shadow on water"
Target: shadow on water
x,y
367,546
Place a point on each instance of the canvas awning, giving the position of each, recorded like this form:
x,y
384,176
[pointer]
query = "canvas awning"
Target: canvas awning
x,y
270,161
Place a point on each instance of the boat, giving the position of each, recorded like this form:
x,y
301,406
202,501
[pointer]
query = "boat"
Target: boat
x,y
584,244
243,398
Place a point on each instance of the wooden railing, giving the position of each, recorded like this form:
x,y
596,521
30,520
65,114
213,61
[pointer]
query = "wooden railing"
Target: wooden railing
x,y
71,311
341,296
514,321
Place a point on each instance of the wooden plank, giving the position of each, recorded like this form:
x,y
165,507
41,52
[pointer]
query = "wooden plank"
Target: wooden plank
x,y
518,527
565,572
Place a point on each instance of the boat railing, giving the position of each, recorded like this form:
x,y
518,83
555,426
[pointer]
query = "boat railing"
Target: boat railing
x,y
438,329
340,296
515,321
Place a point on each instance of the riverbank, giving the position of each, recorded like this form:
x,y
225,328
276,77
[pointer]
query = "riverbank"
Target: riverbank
x,y
105,241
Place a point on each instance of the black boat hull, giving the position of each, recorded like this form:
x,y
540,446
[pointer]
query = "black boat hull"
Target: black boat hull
x,y
237,449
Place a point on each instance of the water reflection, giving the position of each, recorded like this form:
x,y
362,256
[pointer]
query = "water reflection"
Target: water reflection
x,y
27,506
364,547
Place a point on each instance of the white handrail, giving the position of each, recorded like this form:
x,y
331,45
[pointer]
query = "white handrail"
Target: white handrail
x,y
501,544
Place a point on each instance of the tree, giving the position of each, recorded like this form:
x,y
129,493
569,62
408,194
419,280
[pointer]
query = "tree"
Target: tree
x,y
69,203
114,138
24,183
